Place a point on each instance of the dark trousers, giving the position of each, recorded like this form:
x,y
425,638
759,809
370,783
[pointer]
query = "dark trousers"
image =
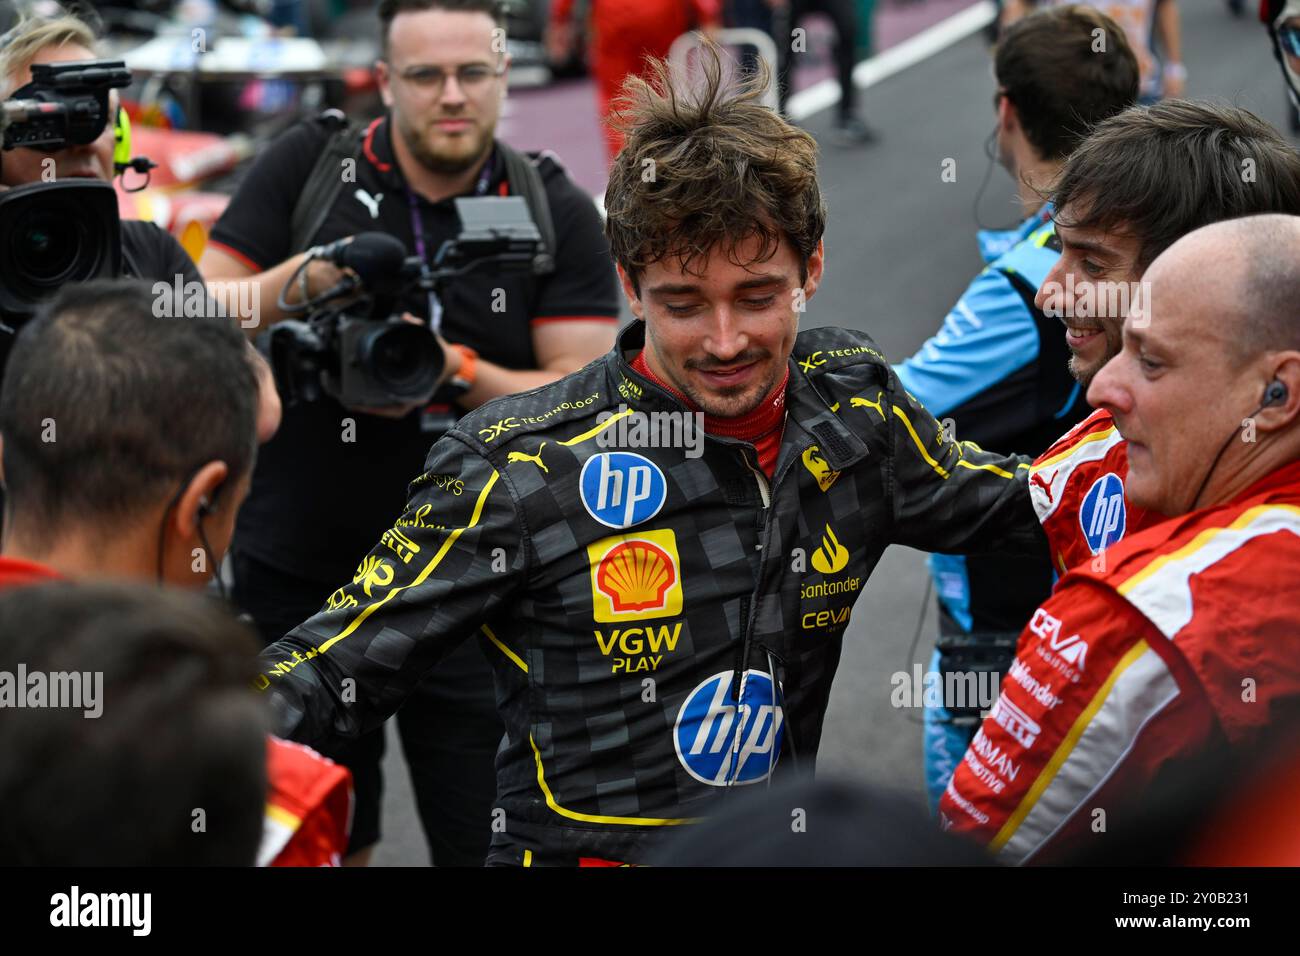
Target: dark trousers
x,y
449,728
844,16
755,15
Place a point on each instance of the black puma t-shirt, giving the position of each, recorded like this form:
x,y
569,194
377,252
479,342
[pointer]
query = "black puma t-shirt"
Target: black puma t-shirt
x,y
332,480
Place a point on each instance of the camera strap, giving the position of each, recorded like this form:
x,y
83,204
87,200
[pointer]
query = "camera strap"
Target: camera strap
x,y
422,247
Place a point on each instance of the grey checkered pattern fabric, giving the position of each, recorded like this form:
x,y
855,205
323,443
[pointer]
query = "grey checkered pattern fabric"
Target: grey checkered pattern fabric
x,y
628,597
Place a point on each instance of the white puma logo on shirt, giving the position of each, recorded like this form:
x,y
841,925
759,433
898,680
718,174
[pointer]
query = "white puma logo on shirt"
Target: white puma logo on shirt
x,y
370,202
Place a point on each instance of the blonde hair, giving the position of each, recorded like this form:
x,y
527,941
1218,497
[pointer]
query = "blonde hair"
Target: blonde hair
x,y
21,45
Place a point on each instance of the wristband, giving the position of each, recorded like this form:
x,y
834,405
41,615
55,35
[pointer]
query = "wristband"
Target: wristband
x,y
465,377
1175,71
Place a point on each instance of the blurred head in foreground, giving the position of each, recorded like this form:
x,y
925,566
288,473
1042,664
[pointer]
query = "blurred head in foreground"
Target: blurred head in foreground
x,y
138,740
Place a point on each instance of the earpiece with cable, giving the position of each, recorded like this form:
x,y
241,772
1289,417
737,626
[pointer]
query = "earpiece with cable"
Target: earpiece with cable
x,y
1275,394
206,508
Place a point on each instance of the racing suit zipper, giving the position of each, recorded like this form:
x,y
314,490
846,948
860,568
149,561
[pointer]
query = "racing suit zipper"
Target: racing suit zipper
x,y
764,489
749,610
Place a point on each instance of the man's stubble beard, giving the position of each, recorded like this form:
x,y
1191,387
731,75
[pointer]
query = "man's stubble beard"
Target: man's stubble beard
x,y
1076,373
1114,345
739,403
444,165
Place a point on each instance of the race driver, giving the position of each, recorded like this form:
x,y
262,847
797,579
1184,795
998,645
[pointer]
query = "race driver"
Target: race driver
x,y
997,367
1227,163
664,617
1187,640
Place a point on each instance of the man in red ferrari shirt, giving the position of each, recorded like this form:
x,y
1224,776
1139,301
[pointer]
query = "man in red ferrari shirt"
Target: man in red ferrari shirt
x,y
1225,163
626,38
1187,640
127,444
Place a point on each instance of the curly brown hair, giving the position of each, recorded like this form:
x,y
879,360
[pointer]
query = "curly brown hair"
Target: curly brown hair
x,y
708,168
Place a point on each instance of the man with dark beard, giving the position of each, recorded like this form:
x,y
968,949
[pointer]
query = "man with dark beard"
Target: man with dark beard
x,y
327,487
1114,215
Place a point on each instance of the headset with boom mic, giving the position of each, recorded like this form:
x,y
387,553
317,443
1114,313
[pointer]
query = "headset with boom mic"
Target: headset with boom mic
x,y
1276,394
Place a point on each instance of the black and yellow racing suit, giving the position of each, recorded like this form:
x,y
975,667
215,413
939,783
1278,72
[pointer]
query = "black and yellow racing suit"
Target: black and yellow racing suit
x,y
631,596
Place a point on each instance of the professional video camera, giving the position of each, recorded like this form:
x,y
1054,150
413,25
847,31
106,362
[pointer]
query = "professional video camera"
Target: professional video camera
x,y
52,233
362,352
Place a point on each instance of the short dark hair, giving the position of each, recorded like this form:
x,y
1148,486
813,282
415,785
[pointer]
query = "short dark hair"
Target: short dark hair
x,y
179,730
389,9
1158,172
726,169
107,409
1060,83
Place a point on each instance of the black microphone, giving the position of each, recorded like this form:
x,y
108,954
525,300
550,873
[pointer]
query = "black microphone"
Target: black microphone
x,y
373,256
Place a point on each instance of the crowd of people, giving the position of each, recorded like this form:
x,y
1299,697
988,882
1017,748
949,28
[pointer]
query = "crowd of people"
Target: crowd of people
x,y
589,639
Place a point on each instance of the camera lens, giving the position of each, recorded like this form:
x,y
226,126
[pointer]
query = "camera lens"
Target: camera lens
x,y
47,245
52,234
402,358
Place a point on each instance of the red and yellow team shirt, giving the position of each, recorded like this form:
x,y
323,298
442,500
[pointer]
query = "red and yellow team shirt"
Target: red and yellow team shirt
x,y
308,808
1190,639
1077,487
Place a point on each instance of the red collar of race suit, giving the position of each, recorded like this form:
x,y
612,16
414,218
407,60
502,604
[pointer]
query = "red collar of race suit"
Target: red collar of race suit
x,y
16,572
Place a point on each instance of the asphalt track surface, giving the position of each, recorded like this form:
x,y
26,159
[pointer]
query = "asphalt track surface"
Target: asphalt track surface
x,y
900,250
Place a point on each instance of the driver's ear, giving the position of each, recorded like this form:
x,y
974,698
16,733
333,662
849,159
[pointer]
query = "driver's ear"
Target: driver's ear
x,y
816,266
629,290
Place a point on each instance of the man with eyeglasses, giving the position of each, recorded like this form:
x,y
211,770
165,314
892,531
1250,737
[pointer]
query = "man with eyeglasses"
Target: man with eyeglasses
x,y
1282,17
327,487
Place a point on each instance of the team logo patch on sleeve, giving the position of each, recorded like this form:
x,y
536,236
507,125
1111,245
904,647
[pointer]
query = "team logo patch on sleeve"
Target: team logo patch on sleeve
x,y
621,489
1102,516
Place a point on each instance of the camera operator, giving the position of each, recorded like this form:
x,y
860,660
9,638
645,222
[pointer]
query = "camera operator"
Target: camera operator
x,y
329,483
148,251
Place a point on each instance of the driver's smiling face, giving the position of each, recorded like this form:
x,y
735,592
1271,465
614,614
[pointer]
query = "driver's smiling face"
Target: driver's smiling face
x,y
1079,290
722,333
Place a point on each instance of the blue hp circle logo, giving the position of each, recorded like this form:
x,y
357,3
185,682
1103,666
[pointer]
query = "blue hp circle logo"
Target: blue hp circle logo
x,y
1102,515
620,489
718,742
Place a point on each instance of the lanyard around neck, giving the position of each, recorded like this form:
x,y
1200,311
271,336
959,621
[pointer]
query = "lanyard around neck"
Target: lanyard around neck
x,y
417,229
